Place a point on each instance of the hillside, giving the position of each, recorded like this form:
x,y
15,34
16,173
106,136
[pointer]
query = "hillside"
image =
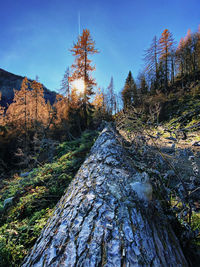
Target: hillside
x,y
163,143
10,81
111,215
105,170
27,199
167,144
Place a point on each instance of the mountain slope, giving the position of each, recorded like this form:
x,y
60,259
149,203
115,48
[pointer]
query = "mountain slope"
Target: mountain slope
x,y
10,81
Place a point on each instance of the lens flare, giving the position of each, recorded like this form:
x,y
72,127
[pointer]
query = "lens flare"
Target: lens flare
x,y
79,85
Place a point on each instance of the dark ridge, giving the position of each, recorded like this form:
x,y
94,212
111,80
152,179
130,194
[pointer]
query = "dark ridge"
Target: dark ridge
x,y
10,81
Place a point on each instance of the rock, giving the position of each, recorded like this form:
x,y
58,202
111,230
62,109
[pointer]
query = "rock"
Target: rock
x,y
143,187
8,202
191,158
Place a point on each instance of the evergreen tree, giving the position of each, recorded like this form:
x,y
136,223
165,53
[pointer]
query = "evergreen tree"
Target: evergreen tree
x,y
173,62
129,93
65,85
143,86
188,55
111,99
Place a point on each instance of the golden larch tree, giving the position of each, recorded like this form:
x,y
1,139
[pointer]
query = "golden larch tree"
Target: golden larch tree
x,y
166,42
18,111
40,112
82,68
1,114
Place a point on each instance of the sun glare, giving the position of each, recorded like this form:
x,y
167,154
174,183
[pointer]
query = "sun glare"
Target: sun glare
x,y
79,85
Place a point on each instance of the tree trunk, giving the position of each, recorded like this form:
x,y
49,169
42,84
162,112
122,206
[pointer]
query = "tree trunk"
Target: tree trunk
x,y
107,217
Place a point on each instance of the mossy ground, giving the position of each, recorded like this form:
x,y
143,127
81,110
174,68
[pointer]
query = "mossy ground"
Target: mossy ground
x,y
34,198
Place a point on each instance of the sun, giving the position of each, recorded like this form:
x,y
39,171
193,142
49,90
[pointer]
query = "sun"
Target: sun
x,y
79,85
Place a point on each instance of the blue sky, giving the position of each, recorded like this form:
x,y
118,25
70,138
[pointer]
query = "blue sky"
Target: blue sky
x,y
36,35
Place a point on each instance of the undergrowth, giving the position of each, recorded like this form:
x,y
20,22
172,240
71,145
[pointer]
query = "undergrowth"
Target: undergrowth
x,y
34,198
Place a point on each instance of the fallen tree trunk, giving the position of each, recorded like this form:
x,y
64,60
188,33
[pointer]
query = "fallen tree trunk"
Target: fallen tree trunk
x,y
107,217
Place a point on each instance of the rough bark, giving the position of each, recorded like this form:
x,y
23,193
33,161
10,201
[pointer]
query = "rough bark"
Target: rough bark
x,y
107,217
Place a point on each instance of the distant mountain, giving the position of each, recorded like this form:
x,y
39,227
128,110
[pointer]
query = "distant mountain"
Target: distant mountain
x,y
10,81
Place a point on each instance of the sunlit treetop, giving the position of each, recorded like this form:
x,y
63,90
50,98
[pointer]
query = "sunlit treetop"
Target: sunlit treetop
x,y
84,44
166,42
82,67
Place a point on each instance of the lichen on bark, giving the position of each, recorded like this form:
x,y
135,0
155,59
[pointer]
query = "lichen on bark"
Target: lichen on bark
x,y
102,220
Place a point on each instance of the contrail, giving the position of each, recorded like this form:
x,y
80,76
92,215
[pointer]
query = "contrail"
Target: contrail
x,y
79,23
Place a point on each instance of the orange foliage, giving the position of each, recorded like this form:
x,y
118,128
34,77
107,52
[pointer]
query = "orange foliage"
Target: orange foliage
x,y
82,67
98,99
1,114
62,109
28,106
166,42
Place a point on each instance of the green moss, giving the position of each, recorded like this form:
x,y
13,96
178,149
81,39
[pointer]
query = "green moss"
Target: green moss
x,y
35,197
196,226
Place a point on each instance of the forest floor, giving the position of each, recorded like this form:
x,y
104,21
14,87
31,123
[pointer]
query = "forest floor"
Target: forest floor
x,y
177,163
28,198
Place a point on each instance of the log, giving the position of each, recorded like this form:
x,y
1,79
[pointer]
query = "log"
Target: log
x,y
108,217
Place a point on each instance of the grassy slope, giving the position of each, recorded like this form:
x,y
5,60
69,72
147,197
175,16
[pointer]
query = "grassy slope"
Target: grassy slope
x,y
35,197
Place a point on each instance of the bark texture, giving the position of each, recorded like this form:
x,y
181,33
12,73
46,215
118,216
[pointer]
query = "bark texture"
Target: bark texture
x,y
107,217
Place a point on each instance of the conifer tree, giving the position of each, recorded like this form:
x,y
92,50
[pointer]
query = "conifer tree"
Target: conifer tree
x,y
151,60
1,114
143,87
39,107
82,68
17,115
62,113
65,84
18,112
188,55
99,107
111,99
98,99
198,48
75,110
166,43
50,117
129,93
192,49
180,57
